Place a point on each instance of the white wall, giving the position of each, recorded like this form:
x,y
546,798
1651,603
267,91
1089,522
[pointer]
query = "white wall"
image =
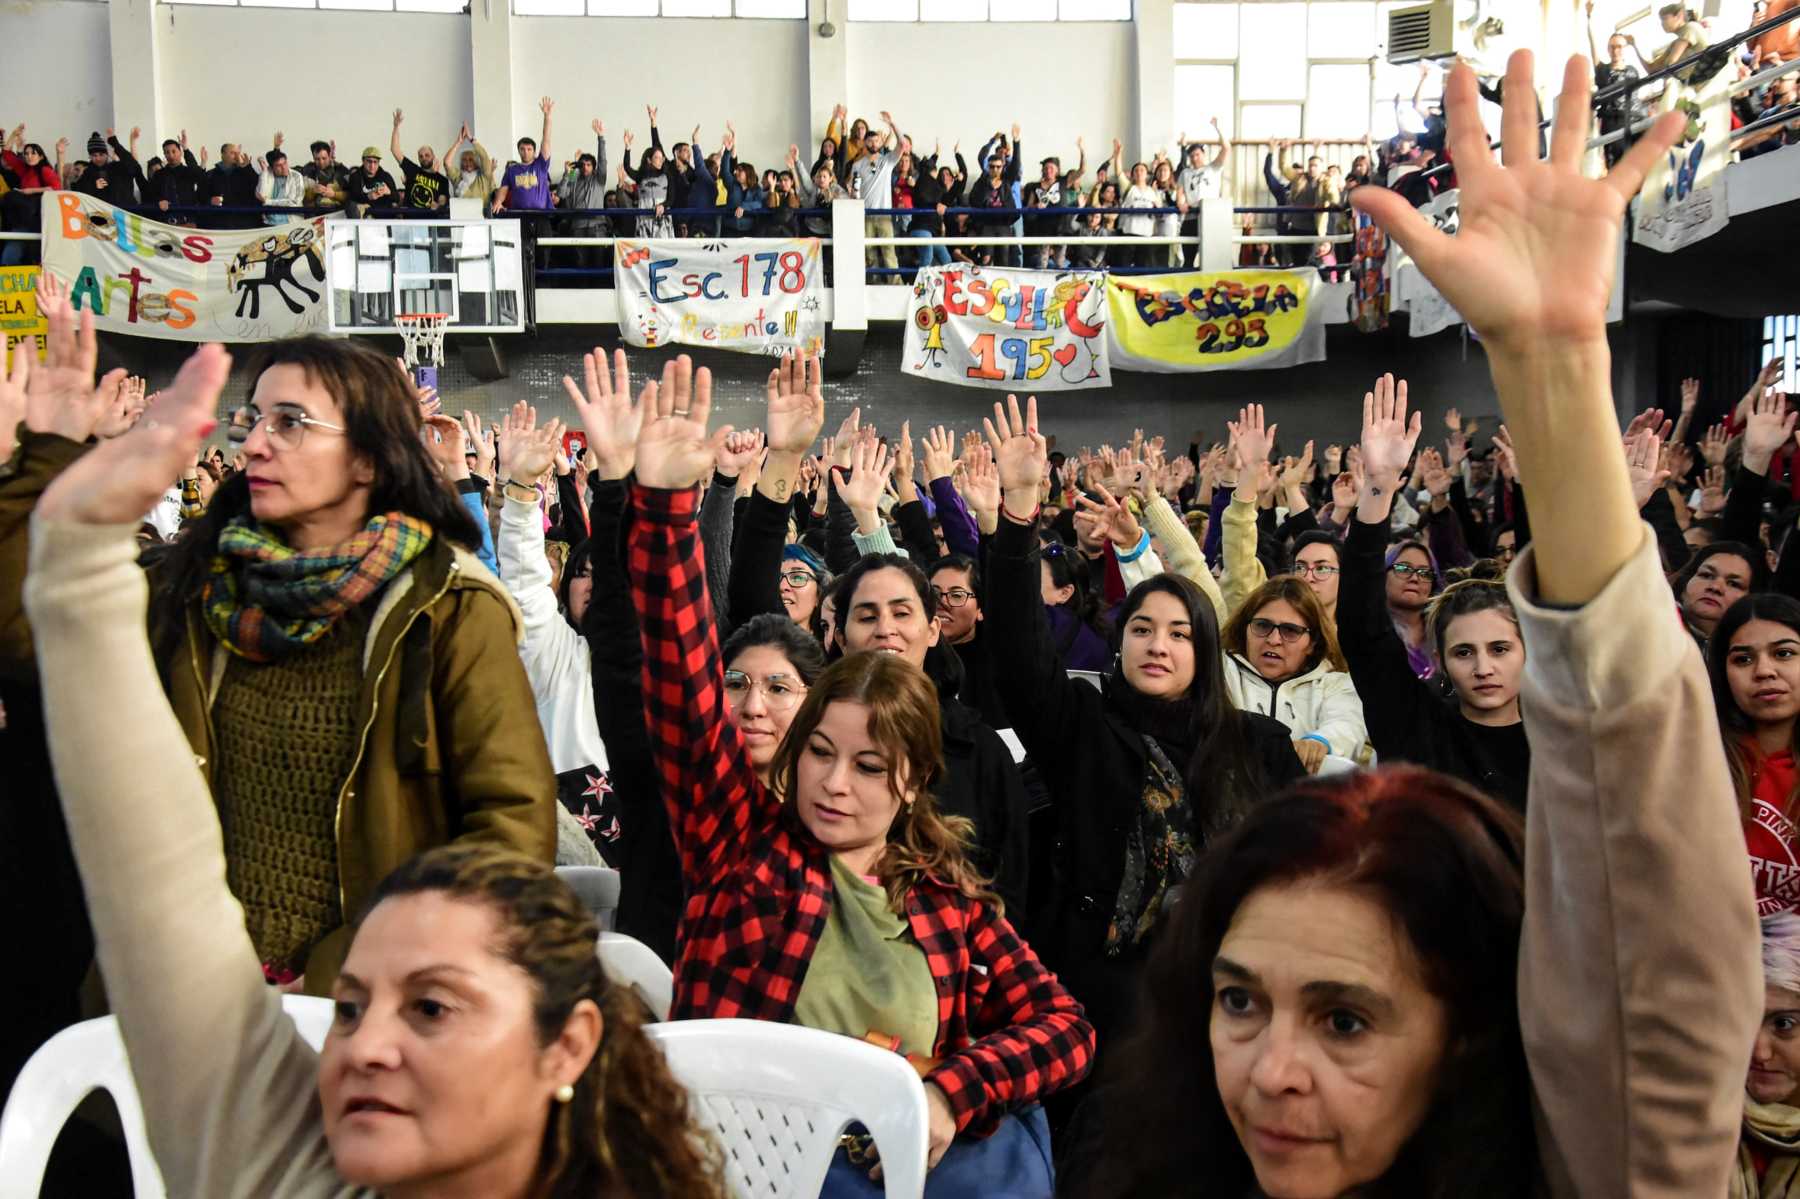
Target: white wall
x,y
58,75
240,74
697,72
951,81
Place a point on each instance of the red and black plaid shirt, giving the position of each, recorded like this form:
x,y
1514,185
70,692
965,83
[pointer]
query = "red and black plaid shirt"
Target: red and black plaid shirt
x,y
759,886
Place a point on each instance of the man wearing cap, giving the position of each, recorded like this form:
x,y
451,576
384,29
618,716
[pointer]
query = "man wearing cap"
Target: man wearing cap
x,y
370,187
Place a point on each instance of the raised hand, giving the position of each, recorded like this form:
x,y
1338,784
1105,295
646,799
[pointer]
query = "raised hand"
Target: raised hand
x,y
1643,461
845,441
1767,426
903,465
1690,395
1713,444
940,453
608,417
1712,491
120,405
598,126
1437,477
862,490
120,480
546,104
1297,472
1532,262
796,403
1020,453
674,449
1507,462
60,396
478,441
1388,437
444,439
1343,494
738,451
527,449
981,486
1254,441
1113,517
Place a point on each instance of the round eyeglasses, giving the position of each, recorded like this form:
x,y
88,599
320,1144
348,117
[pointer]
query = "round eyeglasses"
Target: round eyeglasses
x,y
780,691
954,597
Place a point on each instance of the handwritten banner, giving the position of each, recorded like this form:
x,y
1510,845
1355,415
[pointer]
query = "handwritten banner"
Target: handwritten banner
x,y
761,297
1683,197
169,281
1008,329
1206,321
19,316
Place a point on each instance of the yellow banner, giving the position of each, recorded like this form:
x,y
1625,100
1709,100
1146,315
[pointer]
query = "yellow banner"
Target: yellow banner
x,y
19,316
1205,321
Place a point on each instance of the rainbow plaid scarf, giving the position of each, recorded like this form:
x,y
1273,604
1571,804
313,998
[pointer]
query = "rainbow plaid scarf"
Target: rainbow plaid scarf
x,y
265,600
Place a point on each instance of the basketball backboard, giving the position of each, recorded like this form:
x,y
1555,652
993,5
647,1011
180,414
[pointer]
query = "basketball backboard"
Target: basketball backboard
x,y
472,270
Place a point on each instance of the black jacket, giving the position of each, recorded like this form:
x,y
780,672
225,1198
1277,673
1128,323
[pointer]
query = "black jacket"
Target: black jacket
x,y
1095,765
180,184
236,188
650,888
982,782
1407,721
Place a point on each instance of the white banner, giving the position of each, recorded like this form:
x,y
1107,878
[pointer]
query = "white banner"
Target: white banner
x,y
761,297
1010,329
154,280
1411,292
1683,197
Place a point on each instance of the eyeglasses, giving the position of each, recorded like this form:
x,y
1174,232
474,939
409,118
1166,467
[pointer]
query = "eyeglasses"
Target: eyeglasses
x,y
955,597
287,425
1318,570
1284,632
1406,569
780,691
798,578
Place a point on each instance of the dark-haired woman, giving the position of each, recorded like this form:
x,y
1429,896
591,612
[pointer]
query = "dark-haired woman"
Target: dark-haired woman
x,y
1471,627
345,671
1143,775
840,897
1384,985
1072,603
1715,578
476,1047
1754,661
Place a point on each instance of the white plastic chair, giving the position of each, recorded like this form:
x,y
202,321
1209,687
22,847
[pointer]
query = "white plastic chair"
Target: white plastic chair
x,y
630,961
87,1057
598,888
779,1096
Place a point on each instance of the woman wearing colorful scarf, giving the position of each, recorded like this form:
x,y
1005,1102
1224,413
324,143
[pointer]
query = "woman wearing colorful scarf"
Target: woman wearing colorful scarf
x,y
346,672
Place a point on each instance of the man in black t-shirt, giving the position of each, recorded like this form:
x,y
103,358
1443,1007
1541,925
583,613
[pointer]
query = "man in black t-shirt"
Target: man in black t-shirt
x,y
426,187
371,187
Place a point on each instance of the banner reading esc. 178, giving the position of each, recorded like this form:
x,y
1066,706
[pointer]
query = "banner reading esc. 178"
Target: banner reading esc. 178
x,y
154,280
761,297
1208,321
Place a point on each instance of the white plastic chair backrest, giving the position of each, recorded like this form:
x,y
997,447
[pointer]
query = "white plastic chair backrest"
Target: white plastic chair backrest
x,y
1336,765
630,961
598,887
312,1015
779,1096
84,1057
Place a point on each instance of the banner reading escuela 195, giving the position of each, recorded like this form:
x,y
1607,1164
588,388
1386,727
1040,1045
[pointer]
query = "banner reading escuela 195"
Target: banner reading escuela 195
x,y
1209,321
153,280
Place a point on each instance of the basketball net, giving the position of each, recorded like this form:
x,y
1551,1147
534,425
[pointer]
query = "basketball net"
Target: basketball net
x,y
423,333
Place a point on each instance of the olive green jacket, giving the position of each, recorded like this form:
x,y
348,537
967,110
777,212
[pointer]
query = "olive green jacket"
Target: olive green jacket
x,y
449,745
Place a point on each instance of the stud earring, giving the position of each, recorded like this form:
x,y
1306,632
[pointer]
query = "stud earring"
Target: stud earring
x,y
565,1093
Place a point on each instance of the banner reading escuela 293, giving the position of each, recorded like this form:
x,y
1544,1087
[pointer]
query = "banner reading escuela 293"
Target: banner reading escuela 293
x,y
153,280
1208,321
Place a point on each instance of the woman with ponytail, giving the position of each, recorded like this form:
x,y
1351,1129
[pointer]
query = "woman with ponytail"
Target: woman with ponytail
x,y
836,895
476,1046
345,670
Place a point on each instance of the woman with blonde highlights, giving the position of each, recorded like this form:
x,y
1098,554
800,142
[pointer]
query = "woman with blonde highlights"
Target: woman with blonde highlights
x,y
837,898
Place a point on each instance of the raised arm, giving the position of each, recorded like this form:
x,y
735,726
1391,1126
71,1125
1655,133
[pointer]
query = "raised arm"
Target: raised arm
x,y
1634,1023
394,139
1223,158
544,142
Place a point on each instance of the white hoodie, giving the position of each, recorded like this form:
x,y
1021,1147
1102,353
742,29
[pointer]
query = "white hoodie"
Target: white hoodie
x,y
1322,702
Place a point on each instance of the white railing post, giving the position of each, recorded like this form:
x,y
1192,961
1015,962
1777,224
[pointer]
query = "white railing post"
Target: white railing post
x,y
849,295
1217,229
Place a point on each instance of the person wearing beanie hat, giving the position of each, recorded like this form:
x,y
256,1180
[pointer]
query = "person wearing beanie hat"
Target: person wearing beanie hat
x,y
115,182
371,186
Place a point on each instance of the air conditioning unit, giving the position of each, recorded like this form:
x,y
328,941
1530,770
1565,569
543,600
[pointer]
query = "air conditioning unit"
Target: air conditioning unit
x,y
1444,29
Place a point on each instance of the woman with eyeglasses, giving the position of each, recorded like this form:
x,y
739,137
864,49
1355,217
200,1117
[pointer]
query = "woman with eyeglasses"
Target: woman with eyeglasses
x,y
347,674
839,895
1318,562
1282,660
1471,631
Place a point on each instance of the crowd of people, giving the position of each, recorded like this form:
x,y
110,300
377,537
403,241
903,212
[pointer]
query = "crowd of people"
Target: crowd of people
x,y
1255,909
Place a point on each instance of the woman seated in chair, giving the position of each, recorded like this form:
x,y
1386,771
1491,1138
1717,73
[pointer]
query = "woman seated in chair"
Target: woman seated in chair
x,y
836,896
476,1048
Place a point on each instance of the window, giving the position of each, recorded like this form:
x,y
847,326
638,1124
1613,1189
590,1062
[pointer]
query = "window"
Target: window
x,y
1206,31
1341,30
1261,122
1781,342
1204,91
652,8
1271,59
989,10
1337,100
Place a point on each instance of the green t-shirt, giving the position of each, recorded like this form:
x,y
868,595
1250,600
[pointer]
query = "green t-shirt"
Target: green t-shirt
x,y
867,974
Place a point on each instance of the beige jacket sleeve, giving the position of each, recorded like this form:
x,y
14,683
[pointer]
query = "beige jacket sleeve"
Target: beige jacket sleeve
x,y
1186,558
1244,571
230,1090
1640,979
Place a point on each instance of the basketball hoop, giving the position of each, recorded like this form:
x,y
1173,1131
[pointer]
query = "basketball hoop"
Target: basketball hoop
x,y
423,333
